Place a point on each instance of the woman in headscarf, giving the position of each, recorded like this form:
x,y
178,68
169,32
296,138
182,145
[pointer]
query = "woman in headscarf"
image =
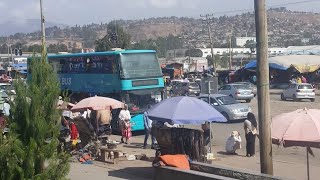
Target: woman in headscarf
x,y
250,128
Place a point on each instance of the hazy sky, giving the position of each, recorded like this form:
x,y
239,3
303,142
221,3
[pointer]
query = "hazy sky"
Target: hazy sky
x,y
72,12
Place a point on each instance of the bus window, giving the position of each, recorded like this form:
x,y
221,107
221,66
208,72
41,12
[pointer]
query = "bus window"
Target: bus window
x,y
140,65
94,64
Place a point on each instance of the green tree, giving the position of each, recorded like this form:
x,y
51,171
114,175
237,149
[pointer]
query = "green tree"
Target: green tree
x,y
116,38
194,53
251,45
30,149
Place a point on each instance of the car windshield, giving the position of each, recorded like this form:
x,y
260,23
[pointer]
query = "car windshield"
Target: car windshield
x,y
240,86
193,85
226,100
306,86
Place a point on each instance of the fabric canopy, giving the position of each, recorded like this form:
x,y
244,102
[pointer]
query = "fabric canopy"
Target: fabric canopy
x,y
184,110
306,68
302,63
253,65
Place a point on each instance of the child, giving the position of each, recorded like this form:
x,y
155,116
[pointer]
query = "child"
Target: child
x,y
126,130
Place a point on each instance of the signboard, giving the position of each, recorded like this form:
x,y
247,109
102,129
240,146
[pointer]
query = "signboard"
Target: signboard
x,y
147,82
209,85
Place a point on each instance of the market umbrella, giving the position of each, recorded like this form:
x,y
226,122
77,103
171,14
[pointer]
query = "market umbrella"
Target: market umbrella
x,y
297,128
184,110
97,103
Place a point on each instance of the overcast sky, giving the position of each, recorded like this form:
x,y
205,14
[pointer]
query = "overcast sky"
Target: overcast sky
x,y
72,12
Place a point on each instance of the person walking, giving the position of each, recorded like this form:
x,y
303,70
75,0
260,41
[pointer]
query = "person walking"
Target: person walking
x,y
250,128
124,115
148,131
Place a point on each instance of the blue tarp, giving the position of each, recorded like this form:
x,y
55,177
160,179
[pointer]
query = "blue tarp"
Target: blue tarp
x,y
23,72
253,65
184,110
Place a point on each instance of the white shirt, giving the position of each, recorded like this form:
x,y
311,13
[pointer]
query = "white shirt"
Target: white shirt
x,y
124,114
6,109
231,141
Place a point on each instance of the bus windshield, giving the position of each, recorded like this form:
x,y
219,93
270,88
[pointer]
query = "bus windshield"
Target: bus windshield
x,y
139,65
139,100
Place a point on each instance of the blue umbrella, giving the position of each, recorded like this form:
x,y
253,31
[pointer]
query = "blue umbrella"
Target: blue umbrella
x,y
184,110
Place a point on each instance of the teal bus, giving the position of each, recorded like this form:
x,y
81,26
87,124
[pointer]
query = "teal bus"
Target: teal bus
x,y
131,76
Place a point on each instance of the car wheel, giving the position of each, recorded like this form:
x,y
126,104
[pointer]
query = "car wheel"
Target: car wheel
x,y
312,100
282,97
248,100
226,116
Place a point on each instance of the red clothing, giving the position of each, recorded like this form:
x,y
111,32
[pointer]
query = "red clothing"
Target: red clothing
x,y
126,130
304,80
74,131
3,122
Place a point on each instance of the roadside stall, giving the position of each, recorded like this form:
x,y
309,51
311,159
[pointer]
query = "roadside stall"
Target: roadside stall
x,y
168,119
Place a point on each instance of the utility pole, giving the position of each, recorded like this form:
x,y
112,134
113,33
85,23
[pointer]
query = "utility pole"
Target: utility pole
x,y
266,164
207,20
230,53
43,30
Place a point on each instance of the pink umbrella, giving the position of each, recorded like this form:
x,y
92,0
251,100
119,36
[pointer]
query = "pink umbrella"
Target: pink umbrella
x,y
297,128
97,103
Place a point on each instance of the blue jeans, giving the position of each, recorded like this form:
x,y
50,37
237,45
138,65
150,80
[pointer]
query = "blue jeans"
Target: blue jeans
x,y
146,136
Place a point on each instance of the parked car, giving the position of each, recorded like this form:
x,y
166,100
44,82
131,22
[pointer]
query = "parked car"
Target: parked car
x,y
250,86
185,89
227,106
297,92
237,91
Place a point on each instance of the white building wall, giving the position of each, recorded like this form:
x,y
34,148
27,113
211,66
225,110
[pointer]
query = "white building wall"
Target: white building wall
x,y
241,41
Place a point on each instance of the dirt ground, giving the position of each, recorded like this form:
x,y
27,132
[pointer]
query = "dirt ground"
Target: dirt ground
x,y
287,162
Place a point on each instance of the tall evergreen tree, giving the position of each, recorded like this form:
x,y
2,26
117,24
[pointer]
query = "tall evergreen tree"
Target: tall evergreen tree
x,y
30,149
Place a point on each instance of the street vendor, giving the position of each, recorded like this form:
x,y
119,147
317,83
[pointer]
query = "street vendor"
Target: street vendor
x,y
124,116
103,118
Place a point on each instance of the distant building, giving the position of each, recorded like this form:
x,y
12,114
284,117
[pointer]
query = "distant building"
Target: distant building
x,y
241,41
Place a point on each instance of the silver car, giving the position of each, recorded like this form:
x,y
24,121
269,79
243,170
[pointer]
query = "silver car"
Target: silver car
x,y
227,106
237,91
250,86
300,91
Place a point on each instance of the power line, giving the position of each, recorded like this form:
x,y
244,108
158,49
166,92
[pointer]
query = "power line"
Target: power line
x,y
271,6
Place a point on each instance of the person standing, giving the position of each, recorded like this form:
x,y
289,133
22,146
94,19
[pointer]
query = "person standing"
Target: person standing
x,y
250,128
299,81
148,128
124,116
103,121
303,79
126,131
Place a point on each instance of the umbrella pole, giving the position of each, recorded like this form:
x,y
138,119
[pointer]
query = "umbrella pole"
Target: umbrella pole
x,y
210,138
308,164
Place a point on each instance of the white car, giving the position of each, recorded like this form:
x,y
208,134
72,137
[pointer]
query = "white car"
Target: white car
x,y
300,91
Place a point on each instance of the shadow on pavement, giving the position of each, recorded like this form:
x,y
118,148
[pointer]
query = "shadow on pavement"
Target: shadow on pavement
x,y
231,122
228,154
133,173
